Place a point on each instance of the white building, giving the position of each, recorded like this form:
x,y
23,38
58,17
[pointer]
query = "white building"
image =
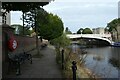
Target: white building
x,y
99,30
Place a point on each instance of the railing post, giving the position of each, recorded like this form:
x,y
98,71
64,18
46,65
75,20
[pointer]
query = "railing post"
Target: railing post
x,y
74,68
62,58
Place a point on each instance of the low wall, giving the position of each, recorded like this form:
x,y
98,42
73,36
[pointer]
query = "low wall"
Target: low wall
x,y
25,43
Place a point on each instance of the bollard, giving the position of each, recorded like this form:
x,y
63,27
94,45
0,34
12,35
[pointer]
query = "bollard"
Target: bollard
x,y
62,58
74,68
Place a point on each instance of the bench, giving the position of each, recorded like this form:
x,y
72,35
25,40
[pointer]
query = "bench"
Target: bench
x,y
15,60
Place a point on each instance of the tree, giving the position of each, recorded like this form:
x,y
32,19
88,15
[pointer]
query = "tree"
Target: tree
x,y
111,26
61,41
87,31
84,31
50,26
80,30
31,18
67,31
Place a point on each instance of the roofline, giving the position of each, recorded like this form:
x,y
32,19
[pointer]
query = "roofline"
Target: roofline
x,y
26,0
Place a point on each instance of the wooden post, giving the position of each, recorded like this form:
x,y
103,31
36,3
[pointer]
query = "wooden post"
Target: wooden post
x,y
62,58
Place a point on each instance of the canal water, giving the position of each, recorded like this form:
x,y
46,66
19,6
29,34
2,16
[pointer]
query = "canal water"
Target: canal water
x,y
103,61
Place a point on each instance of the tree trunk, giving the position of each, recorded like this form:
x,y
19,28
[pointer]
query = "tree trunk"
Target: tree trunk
x,y
113,38
37,46
117,35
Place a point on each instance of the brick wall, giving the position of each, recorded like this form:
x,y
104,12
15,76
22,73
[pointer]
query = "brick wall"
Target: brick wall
x,y
25,43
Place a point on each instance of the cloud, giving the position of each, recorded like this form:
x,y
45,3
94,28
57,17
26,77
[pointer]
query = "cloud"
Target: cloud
x,y
76,13
80,13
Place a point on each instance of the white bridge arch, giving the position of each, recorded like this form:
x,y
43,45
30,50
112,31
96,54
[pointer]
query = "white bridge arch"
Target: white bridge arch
x,y
105,37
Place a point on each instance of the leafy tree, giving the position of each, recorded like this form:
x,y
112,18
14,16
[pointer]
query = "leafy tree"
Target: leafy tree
x,y
111,26
61,41
67,31
32,20
80,30
50,26
87,31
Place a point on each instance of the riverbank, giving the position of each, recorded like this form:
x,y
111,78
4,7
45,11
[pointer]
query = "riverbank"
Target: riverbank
x,y
82,71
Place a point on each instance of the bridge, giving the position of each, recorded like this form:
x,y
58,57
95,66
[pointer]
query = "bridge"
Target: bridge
x,y
103,37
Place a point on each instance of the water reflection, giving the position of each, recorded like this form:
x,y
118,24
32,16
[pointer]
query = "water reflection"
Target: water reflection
x,y
98,57
114,57
103,61
115,62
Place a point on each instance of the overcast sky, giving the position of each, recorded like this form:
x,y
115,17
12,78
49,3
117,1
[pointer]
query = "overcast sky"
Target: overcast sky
x,y
80,13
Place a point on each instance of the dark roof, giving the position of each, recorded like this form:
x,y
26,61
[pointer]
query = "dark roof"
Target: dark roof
x,y
22,6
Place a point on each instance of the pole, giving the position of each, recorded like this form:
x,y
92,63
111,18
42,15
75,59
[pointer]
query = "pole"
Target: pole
x,y
74,68
62,58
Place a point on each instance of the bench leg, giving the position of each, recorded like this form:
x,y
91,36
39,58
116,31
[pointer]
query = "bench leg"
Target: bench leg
x,y
9,67
18,72
31,59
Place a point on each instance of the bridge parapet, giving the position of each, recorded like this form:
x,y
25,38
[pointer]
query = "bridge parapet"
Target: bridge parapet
x,y
89,35
106,37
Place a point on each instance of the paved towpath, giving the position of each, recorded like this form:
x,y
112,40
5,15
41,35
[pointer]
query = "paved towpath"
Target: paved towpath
x,y
44,67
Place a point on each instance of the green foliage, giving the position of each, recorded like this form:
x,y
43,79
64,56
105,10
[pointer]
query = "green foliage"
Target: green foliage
x,y
113,25
87,31
67,31
19,29
58,56
61,41
49,26
80,30
31,18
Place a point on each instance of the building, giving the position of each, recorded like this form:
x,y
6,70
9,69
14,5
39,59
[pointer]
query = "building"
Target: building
x,y
119,9
6,19
99,30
